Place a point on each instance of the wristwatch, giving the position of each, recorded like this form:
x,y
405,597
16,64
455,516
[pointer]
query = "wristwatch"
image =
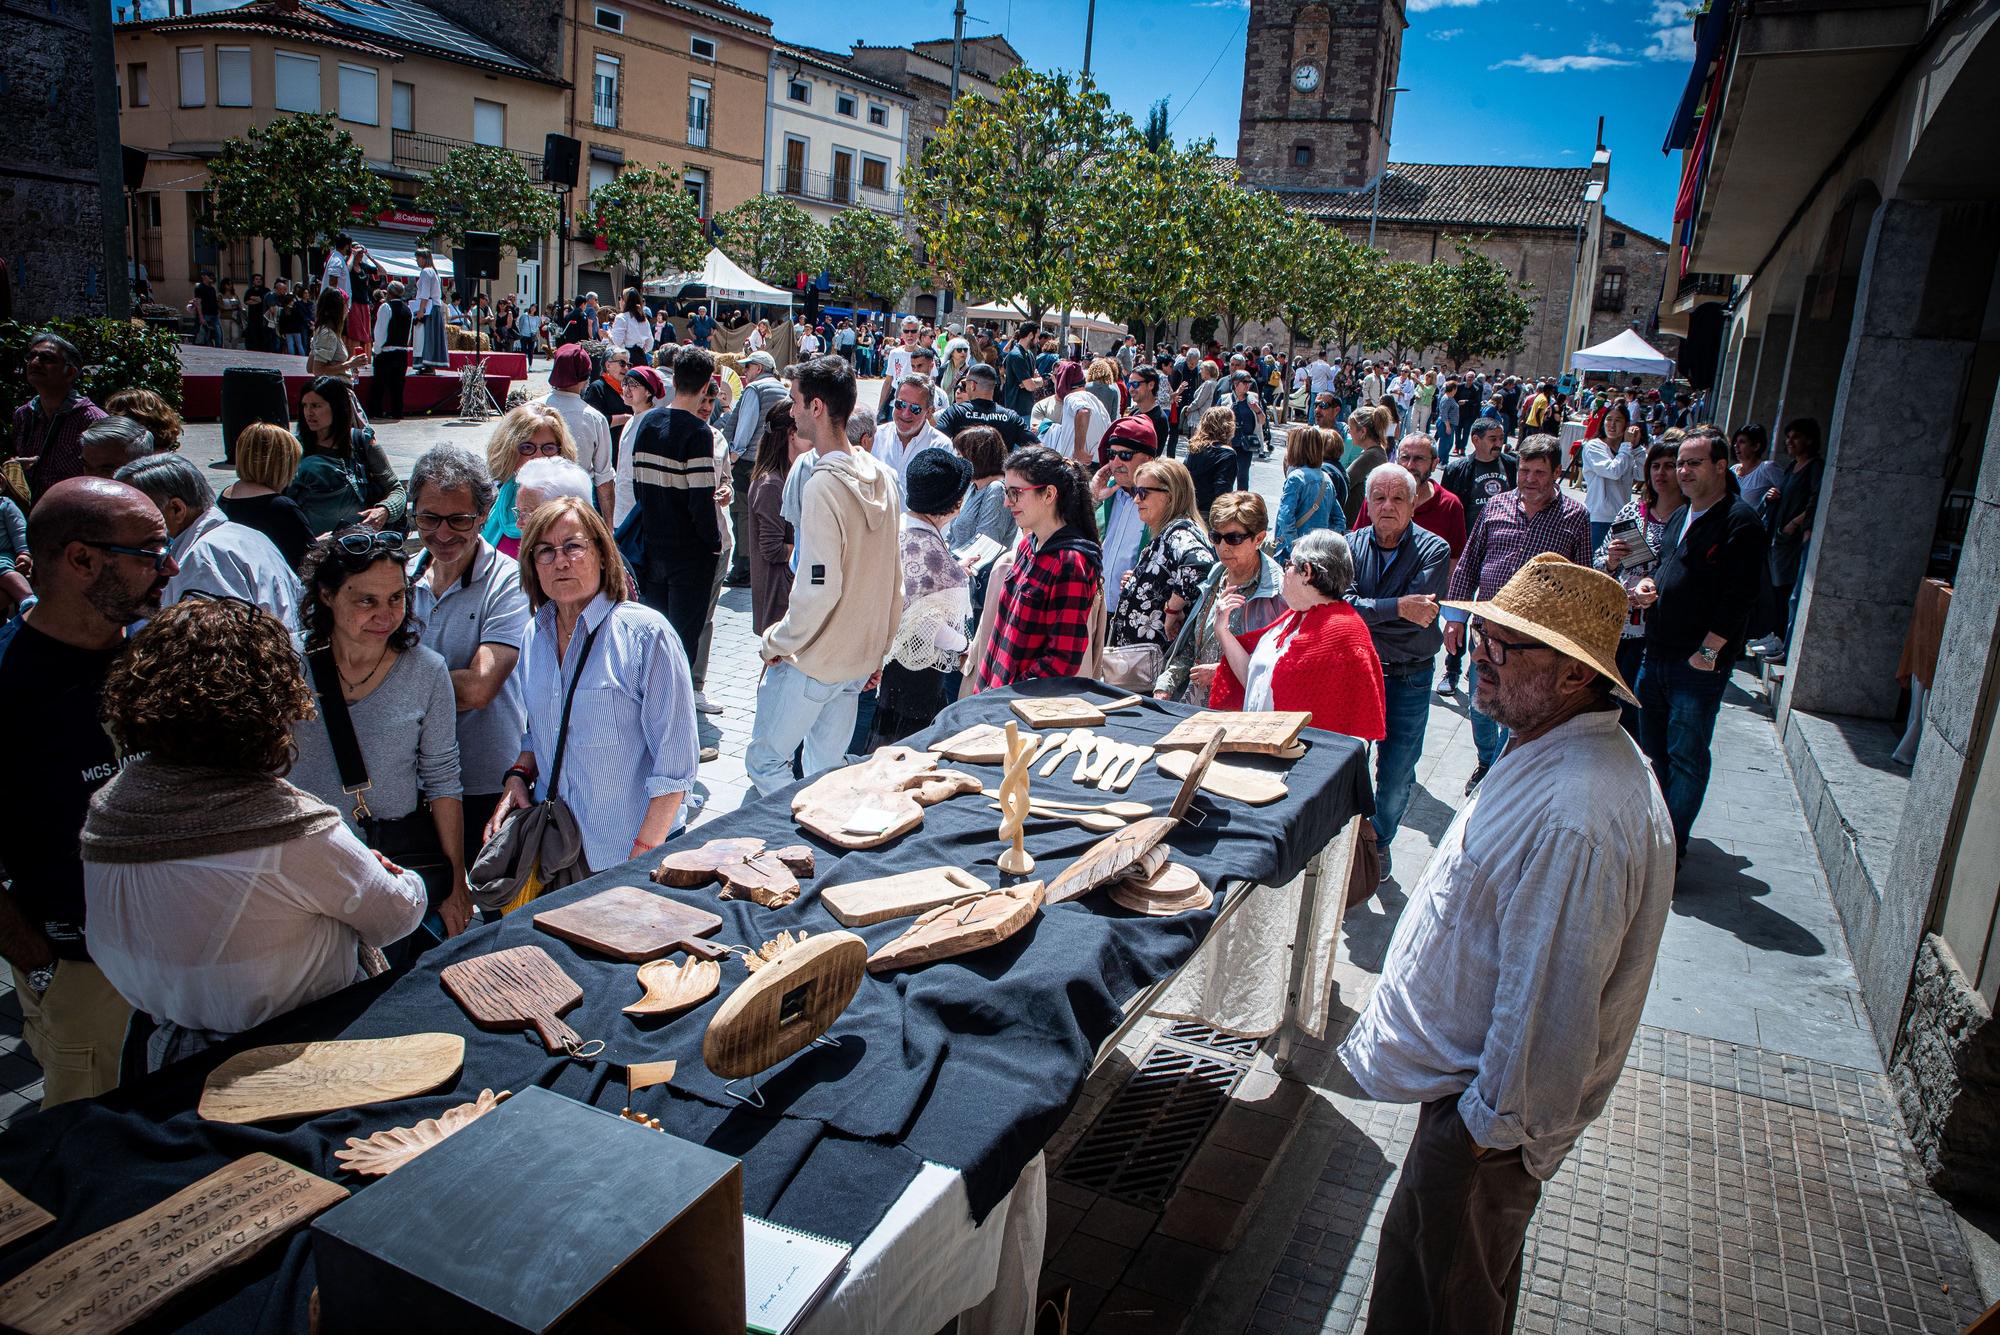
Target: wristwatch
x,y
1708,654
39,979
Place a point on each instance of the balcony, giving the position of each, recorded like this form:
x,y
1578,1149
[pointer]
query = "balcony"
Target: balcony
x,y
1697,287
839,191
427,152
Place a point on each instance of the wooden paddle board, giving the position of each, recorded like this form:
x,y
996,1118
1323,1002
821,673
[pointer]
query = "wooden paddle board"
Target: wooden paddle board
x,y
859,903
980,744
304,1079
634,925
516,989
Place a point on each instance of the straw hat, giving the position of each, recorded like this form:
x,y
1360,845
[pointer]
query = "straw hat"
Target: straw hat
x,y
1571,608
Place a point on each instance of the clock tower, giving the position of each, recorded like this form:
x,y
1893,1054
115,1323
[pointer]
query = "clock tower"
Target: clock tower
x,y
1316,75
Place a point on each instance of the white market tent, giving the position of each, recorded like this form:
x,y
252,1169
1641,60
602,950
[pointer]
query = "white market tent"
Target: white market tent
x,y
1627,353
1015,309
724,280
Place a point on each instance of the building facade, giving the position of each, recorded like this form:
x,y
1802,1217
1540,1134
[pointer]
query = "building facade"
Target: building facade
x,y
1841,193
835,136
406,82
673,83
1316,92
923,70
1631,270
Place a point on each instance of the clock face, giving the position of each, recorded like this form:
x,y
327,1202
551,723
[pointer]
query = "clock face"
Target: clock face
x,y
1305,78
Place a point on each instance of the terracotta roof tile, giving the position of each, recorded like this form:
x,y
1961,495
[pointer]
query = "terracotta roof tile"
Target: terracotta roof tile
x,y
1463,195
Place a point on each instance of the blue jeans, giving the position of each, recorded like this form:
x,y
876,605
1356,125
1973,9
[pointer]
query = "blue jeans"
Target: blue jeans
x,y
295,344
1677,709
1408,708
1597,532
795,709
1488,737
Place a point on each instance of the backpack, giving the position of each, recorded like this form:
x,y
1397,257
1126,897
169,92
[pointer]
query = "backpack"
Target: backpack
x,y
327,492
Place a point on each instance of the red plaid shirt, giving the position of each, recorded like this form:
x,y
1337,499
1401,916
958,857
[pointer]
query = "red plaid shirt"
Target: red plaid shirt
x,y
1041,623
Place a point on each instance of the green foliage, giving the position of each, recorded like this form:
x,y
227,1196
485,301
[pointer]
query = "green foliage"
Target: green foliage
x,y
292,182
117,354
868,256
1488,311
647,221
774,239
1247,268
481,188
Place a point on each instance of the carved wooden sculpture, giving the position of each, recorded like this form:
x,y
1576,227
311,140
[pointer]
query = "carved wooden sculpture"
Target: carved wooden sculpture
x,y
745,868
969,924
880,799
301,1079
1172,889
386,1151
1015,860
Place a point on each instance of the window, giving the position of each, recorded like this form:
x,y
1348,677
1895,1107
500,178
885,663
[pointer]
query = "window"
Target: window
x,y
194,85
874,174
489,122
694,180
402,106
138,90
701,48
360,95
1611,290
604,92
153,210
1618,241
698,95
601,174
232,76
878,114
297,81
799,91
609,19
1302,155
843,103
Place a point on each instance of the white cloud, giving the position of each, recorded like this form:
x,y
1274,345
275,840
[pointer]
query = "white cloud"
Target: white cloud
x,y
1447,34
1222,4
1559,64
1669,32
1423,6
1597,46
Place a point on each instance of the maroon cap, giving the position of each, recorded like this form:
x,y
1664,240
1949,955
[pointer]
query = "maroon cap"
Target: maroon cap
x,y
1134,431
572,366
650,378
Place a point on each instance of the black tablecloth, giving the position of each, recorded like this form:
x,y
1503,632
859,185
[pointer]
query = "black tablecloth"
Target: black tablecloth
x,y
971,1063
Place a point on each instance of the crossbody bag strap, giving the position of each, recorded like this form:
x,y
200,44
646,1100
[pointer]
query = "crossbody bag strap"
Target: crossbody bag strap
x,y
347,756
569,698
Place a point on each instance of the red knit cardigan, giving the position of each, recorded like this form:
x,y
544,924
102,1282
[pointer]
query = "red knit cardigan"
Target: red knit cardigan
x,y
1330,669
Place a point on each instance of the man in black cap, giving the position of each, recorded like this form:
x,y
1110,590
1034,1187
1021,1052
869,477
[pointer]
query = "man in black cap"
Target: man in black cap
x,y
980,410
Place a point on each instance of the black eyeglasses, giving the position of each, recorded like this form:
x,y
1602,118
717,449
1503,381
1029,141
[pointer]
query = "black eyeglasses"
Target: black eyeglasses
x,y
159,556
1143,491
1497,649
459,523
1125,454
367,546
1234,538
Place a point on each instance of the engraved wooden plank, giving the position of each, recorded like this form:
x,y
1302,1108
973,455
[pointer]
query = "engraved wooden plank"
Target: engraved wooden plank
x,y
120,1275
631,924
1068,711
1264,733
961,927
20,1216
786,1005
303,1079
859,903
512,989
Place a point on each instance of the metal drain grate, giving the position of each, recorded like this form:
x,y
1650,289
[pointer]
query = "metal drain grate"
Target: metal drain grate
x,y
1201,1036
1138,1146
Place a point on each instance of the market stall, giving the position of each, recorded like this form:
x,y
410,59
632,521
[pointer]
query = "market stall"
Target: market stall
x,y
1626,354
916,1136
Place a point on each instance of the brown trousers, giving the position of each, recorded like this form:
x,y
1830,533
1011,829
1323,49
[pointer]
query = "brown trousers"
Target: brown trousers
x,y
1450,1255
76,1030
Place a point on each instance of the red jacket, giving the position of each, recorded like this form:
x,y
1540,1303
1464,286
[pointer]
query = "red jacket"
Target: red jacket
x,y
1330,669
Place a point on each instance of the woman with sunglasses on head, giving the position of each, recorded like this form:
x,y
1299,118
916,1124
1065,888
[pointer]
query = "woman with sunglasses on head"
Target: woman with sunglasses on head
x,y
1168,576
530,431
345,476
365,665
1037,618
1318,656
629,756
1236,524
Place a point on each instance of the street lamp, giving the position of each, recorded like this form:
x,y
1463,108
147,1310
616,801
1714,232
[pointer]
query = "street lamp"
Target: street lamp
x,y
1375,204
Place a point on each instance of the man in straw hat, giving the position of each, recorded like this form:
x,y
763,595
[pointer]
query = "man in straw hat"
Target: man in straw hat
x,y
1520,965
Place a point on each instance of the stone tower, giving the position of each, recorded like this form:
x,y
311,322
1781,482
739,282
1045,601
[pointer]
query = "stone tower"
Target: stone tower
x,y
1316,75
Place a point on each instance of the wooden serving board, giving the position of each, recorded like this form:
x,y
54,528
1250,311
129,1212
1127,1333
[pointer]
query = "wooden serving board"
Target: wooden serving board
x,y
1069,711
1172,889
980,744
859,903
1264,733
1238,783
961,927
119,1276
304,1079
634,925
20,1216
745,868
880,799
1110,857
514,989
786,1005
674,985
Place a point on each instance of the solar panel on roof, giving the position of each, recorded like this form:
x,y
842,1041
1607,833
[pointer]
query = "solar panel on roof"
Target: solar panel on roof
x,y
417,25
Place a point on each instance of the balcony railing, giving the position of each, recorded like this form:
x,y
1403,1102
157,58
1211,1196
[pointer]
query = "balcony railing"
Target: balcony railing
x,y
1692,285
846,191
427,152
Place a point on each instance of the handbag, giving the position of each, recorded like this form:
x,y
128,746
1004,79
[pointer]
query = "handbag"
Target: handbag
x,y
1133,666
540,847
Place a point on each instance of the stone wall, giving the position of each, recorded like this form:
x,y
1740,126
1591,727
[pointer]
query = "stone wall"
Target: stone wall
x,y
1356,45
1643,260
1947,1077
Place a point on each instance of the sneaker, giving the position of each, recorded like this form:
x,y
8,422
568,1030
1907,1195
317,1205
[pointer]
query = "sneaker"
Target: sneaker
x,y
1473,782
709,753
1387,860
703,706
1447,685
1765,648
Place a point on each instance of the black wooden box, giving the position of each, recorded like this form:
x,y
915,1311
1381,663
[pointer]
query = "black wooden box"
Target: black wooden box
x,y
544,1215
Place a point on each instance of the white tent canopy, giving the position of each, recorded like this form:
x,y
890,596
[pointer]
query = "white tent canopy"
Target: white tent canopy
x,y
1627,353
724,280
1015,309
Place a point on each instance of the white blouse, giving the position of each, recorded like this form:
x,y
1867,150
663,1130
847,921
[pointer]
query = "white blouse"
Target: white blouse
x,y
1263,662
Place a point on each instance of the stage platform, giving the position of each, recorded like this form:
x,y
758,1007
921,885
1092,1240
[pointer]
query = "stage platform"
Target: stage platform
x,y
423,395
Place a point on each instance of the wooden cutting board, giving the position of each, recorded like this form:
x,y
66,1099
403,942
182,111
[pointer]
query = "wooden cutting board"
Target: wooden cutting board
x,y
745,867
634,925
786,1005
304,1079
1237,783
859,903
1069,711
515,989
961,927
980,744
1264,733
880,799
20,1216
121,1275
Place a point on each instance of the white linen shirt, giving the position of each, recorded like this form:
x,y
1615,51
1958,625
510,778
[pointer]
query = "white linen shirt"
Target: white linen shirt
x,y
589,430
218,556
227,941
631,731
628,331
890,450
1608,478
1519,969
